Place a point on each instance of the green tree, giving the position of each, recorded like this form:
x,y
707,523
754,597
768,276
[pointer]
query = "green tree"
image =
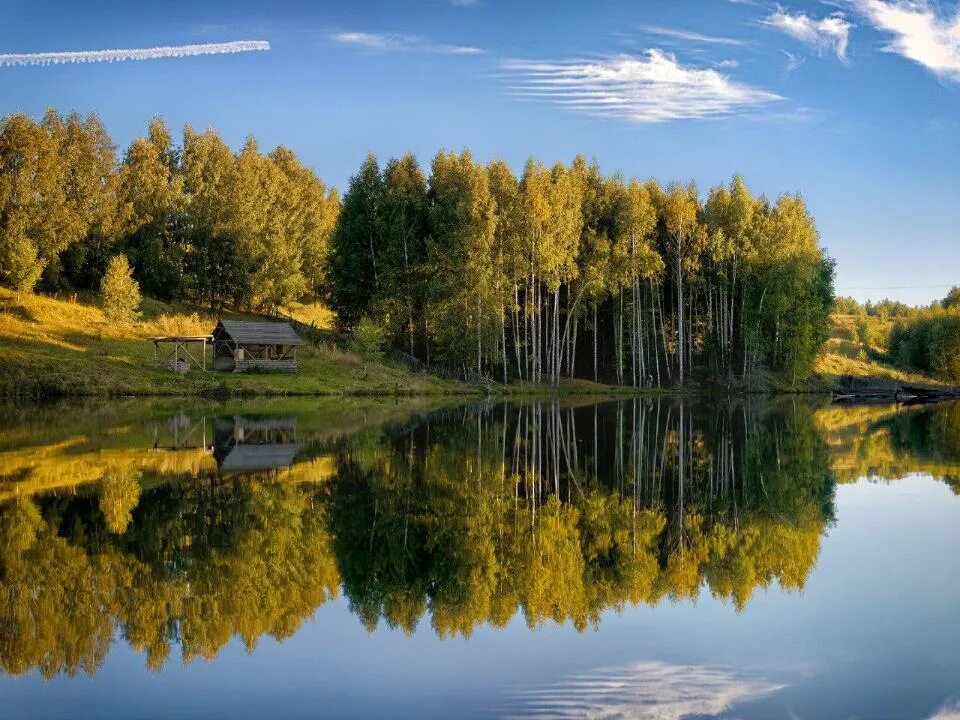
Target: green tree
x,y
152,185
367,340
219,269
352,270
31,195
119,292
313,208
462,223
507,258
680,217
402,251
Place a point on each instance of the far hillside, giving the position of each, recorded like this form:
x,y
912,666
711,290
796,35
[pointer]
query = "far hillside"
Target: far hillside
x,y
889,341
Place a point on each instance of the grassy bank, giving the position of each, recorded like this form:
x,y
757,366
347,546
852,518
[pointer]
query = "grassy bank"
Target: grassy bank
x,y
53,347
847,358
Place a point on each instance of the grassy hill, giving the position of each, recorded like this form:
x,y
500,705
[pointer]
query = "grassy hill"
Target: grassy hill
x,y
54,347
845,357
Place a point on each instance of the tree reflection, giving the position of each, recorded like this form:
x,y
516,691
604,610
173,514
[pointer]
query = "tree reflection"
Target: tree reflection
x,y
890,442
464,518
564,512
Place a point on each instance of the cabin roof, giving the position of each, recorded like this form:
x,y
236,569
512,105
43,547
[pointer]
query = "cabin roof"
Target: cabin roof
x,y
259,333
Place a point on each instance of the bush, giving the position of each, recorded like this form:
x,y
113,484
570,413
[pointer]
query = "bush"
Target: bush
x,y
367,339
19,265
929,342
119,292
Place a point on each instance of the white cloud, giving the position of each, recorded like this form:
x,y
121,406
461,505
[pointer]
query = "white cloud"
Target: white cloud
x,y
644,691
644,89
689,36
831,33
93,56
949,711
918,33
394,42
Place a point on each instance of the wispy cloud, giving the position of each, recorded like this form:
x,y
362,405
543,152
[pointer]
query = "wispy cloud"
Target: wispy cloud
x,y
688,36
650,88
793,63
644,691
155,53
918,33
397,42
831,33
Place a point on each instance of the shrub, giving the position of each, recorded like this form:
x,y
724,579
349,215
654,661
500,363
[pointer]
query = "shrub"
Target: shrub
x,y
119,292
19,264
367,339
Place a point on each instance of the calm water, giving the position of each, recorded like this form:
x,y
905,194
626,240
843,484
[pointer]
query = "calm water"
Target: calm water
x,y
628,559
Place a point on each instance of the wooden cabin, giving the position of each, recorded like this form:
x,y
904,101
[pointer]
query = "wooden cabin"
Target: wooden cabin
x,y
240,345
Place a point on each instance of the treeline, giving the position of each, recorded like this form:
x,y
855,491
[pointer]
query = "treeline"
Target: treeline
x,y
197,221
883,309
564,271
928,341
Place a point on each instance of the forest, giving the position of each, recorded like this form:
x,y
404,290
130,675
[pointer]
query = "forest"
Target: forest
x,y
566,272
198,222
559,272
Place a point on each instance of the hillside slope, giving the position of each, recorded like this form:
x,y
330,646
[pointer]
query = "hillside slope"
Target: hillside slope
x,y
51,347
845,359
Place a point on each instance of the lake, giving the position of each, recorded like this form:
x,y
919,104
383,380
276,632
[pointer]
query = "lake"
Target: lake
x,y
414,559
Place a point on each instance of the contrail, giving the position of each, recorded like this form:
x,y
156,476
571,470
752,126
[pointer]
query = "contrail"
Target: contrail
x,y
92,56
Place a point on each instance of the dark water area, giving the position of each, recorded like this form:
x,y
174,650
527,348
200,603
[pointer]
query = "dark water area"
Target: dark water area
x,y
635,558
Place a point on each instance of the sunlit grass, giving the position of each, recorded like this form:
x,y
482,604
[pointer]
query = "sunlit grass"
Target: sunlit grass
x,y
844,356
65,346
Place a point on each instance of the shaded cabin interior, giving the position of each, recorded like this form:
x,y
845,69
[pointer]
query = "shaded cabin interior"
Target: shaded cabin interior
x,y
241,345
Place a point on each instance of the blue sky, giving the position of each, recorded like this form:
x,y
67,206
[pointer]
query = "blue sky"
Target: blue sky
x,y
856,103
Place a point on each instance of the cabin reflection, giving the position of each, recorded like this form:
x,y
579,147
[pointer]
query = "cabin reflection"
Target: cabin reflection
x,y
246,443
238,443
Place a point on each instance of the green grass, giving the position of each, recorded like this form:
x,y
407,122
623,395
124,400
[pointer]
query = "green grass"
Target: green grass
x,y
844,358
51,347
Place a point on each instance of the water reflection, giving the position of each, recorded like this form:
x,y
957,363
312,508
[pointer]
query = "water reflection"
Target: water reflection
x,y
243,443
641,691
178,533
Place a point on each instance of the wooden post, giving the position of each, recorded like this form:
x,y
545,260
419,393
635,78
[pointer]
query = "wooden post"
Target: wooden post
x,y
204,354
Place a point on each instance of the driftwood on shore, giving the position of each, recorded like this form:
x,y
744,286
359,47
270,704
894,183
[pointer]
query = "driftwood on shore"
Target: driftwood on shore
x,y
894,392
